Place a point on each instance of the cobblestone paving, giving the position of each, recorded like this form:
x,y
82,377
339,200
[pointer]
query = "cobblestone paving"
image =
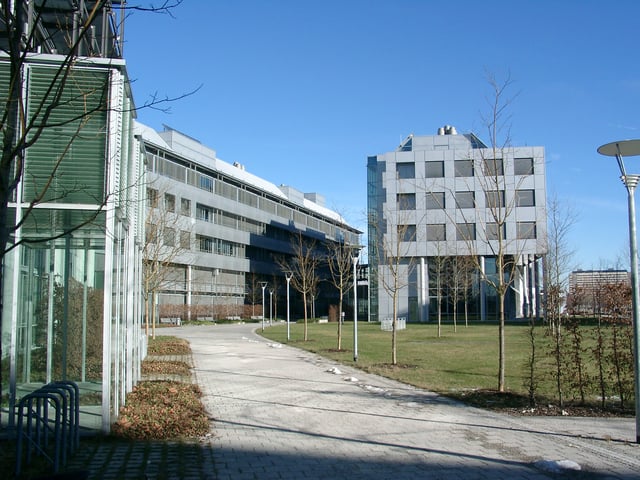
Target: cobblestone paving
x,y
280,413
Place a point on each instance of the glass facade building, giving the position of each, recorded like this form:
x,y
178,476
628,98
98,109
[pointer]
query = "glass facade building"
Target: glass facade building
x,y
72,278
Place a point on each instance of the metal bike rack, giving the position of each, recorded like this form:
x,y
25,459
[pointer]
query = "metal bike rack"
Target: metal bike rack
x,y
48,423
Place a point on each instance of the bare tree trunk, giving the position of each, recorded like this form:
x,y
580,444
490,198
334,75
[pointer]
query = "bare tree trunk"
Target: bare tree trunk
x,y
340,321
304,300
501,353
154,310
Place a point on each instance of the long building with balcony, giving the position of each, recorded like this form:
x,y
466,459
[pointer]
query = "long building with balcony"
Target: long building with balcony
x,y
222,233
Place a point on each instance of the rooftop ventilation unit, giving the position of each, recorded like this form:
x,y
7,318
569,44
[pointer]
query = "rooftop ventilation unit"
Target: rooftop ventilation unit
x,y
447,130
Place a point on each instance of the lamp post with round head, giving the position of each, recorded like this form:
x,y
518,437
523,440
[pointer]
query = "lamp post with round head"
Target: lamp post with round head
x,y
620,149
355,306
288,276
263,285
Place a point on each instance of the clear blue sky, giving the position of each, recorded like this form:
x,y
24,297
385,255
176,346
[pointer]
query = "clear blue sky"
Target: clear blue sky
x,y
300,92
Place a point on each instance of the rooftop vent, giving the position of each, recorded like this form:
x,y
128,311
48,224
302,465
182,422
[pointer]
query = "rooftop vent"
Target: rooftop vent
x,y
238,165
447,130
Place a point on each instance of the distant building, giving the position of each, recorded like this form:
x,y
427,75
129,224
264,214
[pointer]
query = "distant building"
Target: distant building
x,y
590,279
587,286
232,231
431,199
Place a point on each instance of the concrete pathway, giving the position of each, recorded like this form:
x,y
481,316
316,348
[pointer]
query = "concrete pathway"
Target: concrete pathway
x,y
281,413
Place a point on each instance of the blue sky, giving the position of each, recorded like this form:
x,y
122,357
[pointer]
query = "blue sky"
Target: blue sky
x,y
301,92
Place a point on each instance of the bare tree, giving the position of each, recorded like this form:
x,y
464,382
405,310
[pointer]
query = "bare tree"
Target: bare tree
x,y
60,115
167,240
393,247
491,226
254,293
459,280
559,259
303,268
558,264
340,261
439,264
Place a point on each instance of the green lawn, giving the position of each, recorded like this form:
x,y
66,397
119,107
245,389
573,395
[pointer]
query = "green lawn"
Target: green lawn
x,y
454,364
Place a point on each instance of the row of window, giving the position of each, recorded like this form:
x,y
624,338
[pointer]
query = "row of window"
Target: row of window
x,y
219,246
466,168
236,193
437,232
493,199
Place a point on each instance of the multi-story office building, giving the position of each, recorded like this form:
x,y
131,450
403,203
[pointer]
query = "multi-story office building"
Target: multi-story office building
x,y
71,282
226,231
450,196
591,279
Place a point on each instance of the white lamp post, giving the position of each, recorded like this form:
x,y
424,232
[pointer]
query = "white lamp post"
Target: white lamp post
x,y
288,275
270,306
618,150
355,308
214,274
264,285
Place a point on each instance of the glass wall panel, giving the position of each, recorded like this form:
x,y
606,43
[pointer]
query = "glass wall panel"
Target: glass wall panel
x,y
60,315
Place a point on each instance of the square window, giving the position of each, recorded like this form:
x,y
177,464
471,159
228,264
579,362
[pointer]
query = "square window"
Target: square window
x,y
185,240
465,231
465,200
406,201
493,167
492,232
407,233
436,232
523,166
494,199
169,202
169,236
463,168
435,200
405,170
525,198
526,230
185,207
434,170
152,197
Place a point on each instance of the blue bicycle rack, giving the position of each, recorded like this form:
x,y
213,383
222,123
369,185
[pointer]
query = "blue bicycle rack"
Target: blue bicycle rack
x,y
48,424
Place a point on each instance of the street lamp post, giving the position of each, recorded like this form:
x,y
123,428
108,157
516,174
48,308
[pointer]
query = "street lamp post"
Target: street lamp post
x,y
288,276
270,306
355,308
263,285
214,274
618,150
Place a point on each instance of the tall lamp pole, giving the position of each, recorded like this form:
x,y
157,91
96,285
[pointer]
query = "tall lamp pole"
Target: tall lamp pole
x,y
288,275
263,285
355,308
619,149
270,306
